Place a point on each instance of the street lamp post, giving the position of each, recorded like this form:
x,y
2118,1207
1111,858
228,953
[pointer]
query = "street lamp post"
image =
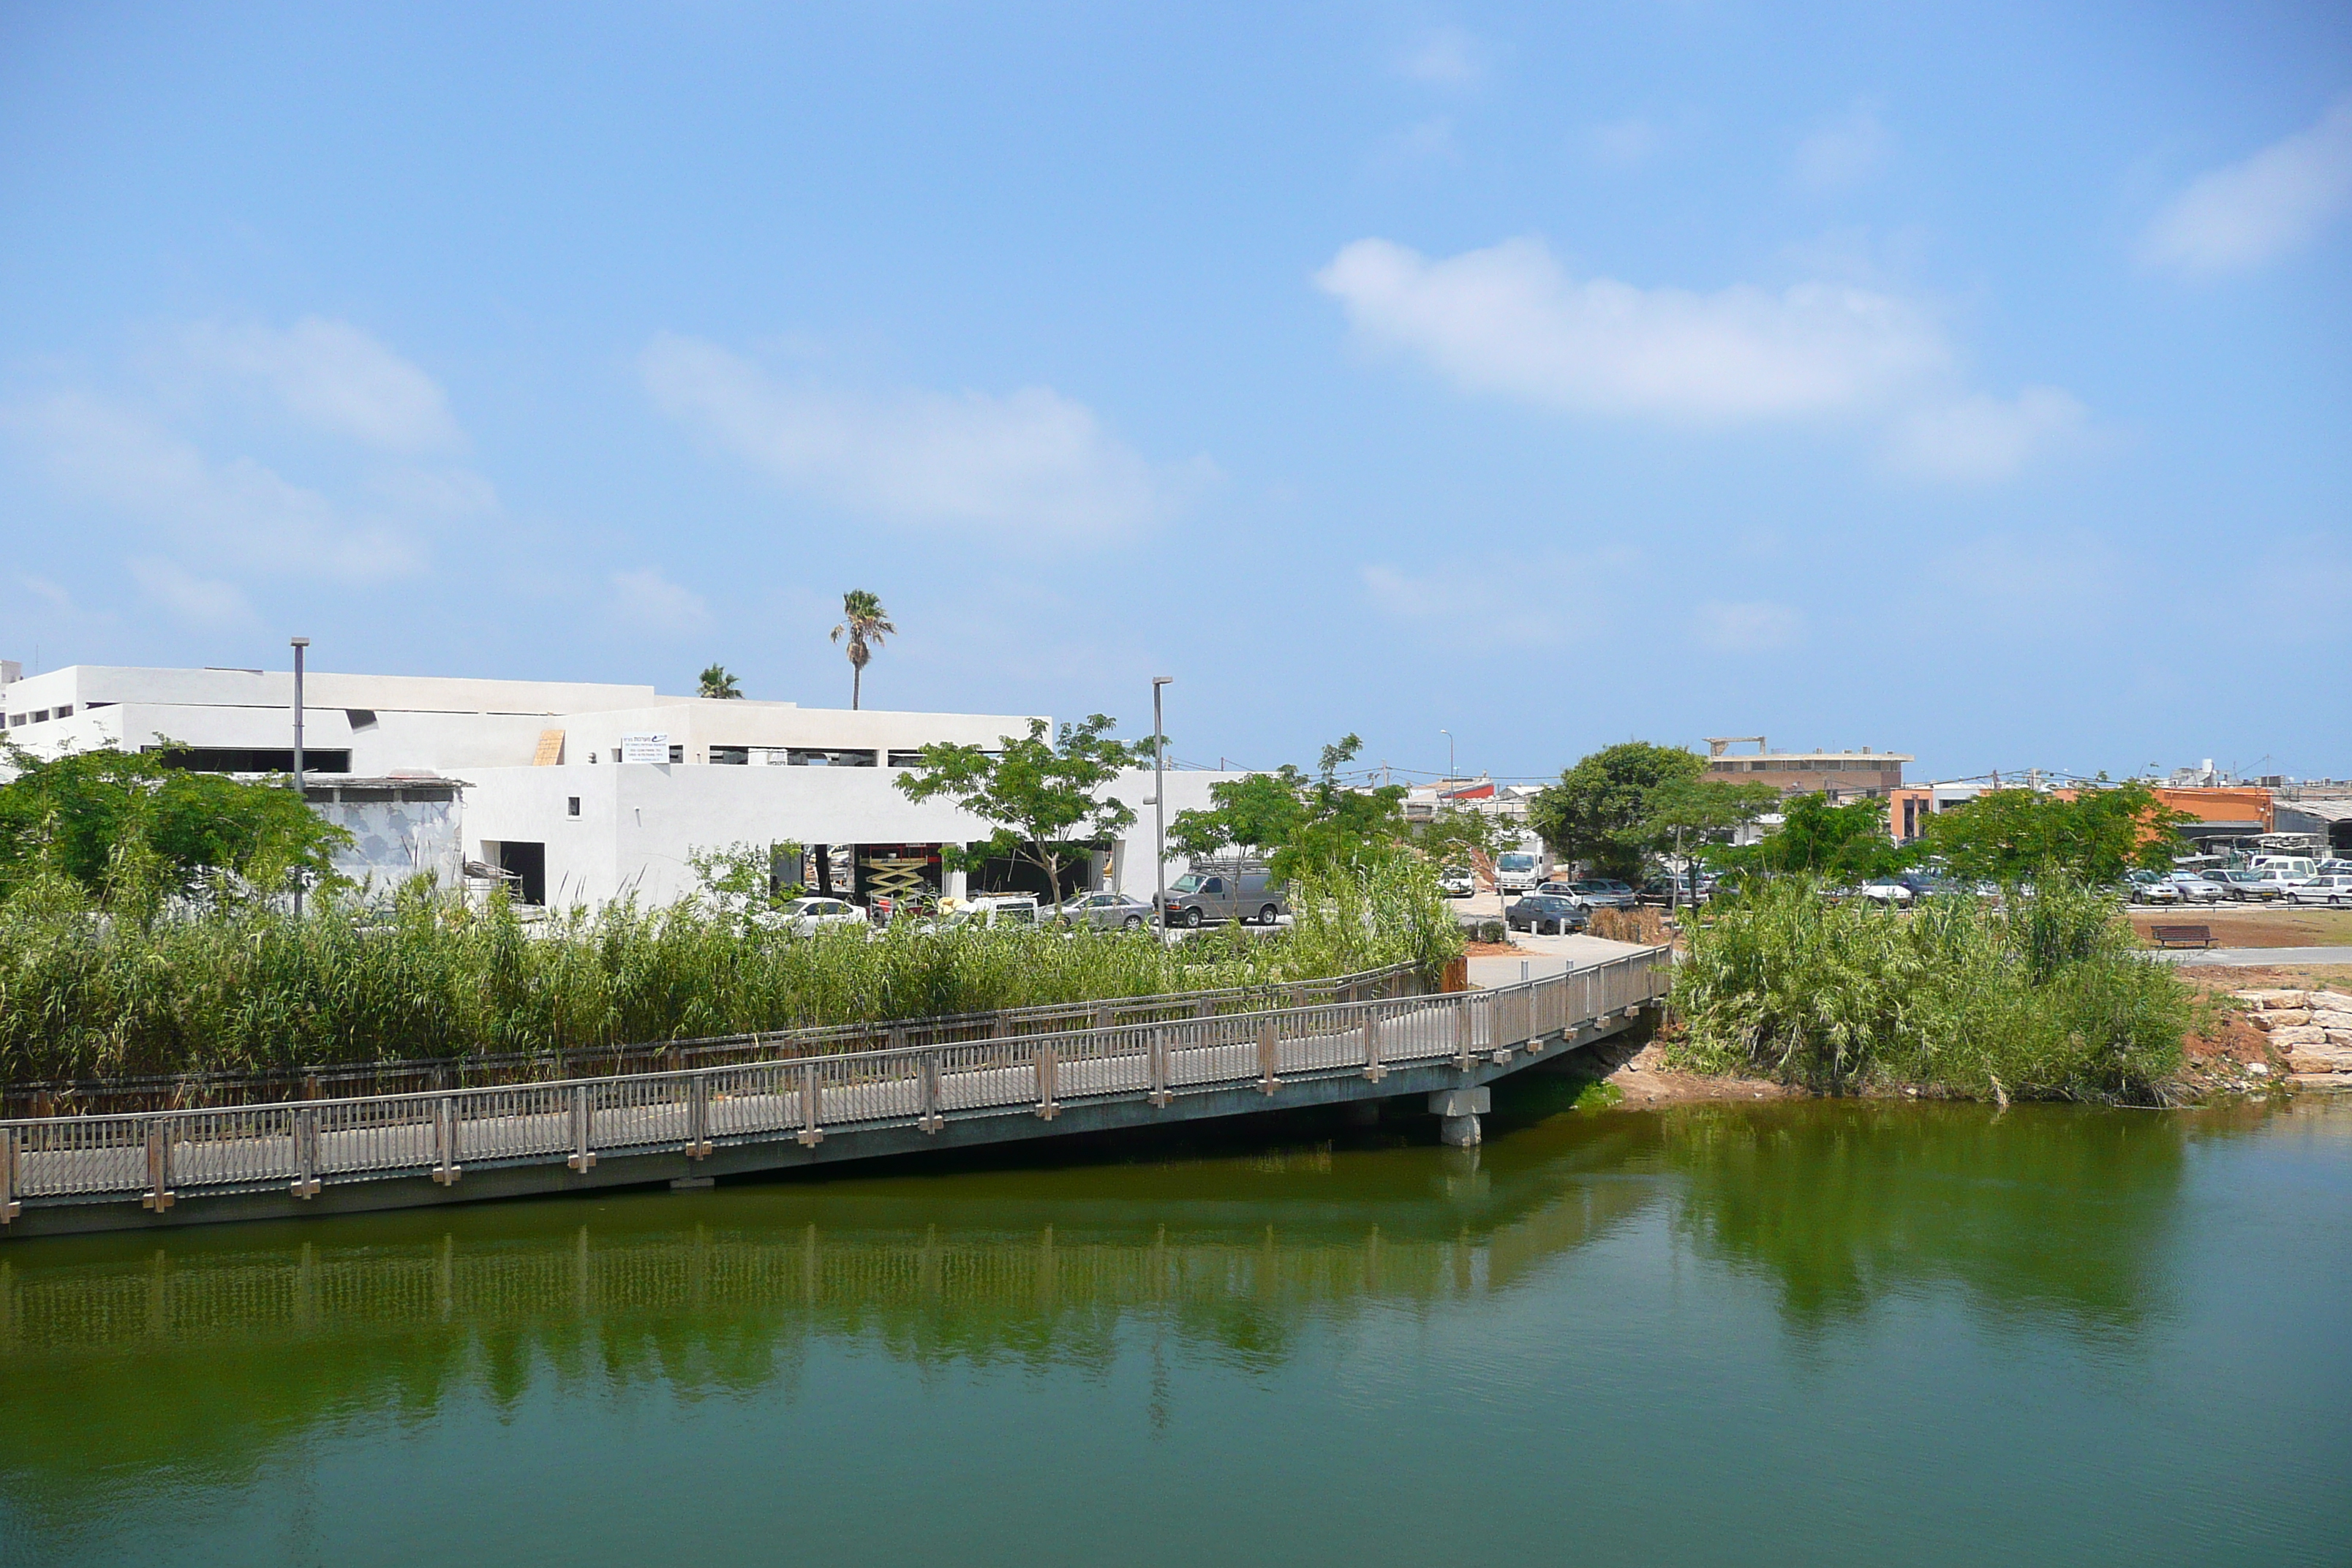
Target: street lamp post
x,y
299,793
1449,754
1158,806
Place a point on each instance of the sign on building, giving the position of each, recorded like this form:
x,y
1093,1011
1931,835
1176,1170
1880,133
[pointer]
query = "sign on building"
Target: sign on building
x,y
644,748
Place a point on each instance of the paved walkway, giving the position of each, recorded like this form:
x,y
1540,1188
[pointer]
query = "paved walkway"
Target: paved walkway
x,y
2248,957
1544,955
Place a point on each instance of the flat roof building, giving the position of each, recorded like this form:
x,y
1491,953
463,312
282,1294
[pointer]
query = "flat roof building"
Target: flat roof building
x,y
1841,775
571,791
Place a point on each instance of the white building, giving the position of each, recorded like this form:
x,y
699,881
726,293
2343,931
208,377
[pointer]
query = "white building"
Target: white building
x,y
528,777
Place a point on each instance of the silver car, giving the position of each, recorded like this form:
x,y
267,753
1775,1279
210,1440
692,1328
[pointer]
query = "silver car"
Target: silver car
x,y
1107,912
2197,889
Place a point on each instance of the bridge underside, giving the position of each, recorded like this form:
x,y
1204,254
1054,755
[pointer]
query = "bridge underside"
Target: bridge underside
x,y
1441,1087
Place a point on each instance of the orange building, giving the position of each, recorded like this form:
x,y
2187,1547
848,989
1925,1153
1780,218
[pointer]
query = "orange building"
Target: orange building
x,y
2221,814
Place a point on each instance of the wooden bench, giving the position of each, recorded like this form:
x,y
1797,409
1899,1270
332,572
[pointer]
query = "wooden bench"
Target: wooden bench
x,y
2181,936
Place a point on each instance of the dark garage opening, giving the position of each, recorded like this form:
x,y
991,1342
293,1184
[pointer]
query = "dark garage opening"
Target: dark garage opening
x,y
527,863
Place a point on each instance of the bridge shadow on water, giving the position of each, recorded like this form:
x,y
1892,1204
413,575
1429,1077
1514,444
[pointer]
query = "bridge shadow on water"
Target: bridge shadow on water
x,y
201,1352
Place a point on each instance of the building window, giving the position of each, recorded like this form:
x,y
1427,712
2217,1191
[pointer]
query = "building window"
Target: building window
x,y
678,754
731,756
906,759
571,807
42,717
65,712
359,718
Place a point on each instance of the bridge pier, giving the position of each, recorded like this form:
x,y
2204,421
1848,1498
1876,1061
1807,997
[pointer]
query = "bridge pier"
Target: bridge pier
x,y
1459,1109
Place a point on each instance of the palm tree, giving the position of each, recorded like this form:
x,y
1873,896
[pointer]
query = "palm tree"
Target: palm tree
x,y
716,682
864,623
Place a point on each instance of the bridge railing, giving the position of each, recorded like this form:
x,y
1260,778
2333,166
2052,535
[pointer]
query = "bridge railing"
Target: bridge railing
x,y
182,1092
300,1146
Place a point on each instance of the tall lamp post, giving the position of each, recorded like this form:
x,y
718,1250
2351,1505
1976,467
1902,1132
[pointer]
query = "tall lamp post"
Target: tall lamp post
x,y
299,793
1160,805
1449,754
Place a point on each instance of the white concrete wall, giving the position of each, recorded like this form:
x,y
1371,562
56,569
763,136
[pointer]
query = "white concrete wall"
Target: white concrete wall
x,y
639,823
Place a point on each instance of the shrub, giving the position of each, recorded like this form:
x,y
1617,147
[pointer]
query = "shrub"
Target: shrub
x,y
2044,997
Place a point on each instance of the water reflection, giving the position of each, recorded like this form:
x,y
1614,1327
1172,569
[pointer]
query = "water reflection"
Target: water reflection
x,y
203,1354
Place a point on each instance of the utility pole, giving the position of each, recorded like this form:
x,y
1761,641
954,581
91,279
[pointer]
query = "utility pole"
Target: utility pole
x,y
299,793
1449,754
1160,806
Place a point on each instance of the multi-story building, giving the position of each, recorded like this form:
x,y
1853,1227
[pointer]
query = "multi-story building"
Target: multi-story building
x,y
1841,775
570,792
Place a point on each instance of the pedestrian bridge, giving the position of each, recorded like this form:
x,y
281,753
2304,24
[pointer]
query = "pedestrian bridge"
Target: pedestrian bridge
x,y
69,1174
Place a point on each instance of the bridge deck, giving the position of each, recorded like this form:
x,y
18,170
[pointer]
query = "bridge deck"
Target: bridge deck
x,y
90,1172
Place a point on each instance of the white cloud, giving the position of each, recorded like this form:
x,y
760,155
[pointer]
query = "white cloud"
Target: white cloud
x,y
191,598
332,376
1752,627
1510,319
648,601
2245,213
1030,464
240,511
1446,57
1844,151
1981,438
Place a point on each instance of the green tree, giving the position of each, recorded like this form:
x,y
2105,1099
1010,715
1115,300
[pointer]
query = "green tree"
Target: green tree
x,y
129,830
1690,814
2094,835
864,623
718,683
1601,811
1460,835
1299,822
1043,794
1841,843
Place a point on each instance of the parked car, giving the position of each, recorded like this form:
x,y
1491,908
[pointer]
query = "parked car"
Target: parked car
x,y
2155,890
1516,871
1556,888
1603,893
806,917
2336,890
975,914
1546,913
1889,892
1659,889
2246,886
1456,882
1197,897
2195,888
1107,912
2276,878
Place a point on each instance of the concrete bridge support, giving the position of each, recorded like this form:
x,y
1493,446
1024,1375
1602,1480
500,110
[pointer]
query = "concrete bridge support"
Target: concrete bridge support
x,y
1460,1110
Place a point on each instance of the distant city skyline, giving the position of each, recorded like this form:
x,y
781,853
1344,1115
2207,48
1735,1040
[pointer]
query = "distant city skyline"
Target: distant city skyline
x,y
1967,381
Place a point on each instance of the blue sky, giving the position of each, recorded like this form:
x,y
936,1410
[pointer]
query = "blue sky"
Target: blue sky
x,y
1965,380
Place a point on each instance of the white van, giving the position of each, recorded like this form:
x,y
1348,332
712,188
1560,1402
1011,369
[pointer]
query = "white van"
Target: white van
x,y
2293,867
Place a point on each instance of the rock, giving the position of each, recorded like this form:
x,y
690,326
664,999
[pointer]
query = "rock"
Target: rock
x,y
2331,1018
2269,999
2304,1035
2281,1019
2322,1059
2259,1069
2339,1036
2335,999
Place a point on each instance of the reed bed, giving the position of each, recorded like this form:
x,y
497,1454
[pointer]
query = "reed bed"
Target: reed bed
x,y
88,994
2040,998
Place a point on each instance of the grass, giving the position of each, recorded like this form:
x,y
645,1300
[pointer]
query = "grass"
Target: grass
x,y
2047,998
86,994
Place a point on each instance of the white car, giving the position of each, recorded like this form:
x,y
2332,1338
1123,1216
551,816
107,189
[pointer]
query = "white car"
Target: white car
x,y
2334,888
1885,890
975,914
1456,882
806,917
2148,887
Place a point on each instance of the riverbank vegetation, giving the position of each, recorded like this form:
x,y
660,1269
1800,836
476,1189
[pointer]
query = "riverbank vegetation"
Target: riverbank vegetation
x,y
2032,997
245,985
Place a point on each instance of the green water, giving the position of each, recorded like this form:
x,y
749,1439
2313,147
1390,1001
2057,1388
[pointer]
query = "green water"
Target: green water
x,y
1757,1334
